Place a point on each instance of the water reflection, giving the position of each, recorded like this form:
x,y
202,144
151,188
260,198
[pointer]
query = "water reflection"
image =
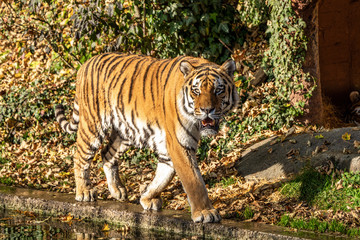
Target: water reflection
x,y
27,225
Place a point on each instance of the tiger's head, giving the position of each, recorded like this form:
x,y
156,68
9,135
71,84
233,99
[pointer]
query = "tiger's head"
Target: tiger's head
x,y
209,92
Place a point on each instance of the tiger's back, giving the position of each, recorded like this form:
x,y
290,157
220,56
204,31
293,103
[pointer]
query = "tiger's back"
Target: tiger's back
x,y
131,93
146,102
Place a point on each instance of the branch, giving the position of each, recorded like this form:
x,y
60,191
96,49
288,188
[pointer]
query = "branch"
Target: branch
x,y
226,46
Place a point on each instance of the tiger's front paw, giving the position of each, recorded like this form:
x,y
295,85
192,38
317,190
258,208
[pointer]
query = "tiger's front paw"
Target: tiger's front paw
x,y
151,204
118,192
86,195
206,216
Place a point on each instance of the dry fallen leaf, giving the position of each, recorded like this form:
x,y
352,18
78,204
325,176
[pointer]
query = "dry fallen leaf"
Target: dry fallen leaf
x,y
356,144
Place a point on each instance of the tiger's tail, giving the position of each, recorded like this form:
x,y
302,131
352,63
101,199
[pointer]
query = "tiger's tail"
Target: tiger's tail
x,y
69,127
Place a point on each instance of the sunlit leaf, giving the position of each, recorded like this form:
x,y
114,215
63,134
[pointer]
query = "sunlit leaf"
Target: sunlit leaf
x,y
320,136
346,136
106,227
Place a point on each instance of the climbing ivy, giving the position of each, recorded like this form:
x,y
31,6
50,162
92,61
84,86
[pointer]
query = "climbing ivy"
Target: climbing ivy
x,y
282,62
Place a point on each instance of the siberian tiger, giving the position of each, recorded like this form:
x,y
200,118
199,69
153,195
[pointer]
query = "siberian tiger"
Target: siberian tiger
x,y
353,113
166,105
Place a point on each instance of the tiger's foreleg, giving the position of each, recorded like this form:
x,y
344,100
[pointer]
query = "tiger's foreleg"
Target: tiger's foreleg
x,y
110,156
186,167
150,198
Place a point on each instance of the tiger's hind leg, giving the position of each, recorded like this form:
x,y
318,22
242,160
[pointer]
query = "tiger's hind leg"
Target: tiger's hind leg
x,y
150,197
87,144
110,155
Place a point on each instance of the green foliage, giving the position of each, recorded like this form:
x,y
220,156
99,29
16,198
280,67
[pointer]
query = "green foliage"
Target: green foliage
x,y
253,12
248,213
195,28
161,28
203,148
22,106
152,27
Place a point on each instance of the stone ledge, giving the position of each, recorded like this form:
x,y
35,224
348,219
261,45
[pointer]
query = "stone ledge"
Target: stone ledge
x,y
133,216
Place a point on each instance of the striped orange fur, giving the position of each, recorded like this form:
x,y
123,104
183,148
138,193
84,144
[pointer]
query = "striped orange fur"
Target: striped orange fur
x,y
166,105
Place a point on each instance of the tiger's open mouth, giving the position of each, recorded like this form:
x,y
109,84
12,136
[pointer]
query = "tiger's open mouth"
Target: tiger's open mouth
x,y
209,126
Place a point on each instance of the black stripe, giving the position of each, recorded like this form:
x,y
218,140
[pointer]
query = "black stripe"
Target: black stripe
x,y
150,129
115,65
96,103
101,68
157,79
72,129
135,74
120,101
103,63
186,130
171,69
167,79
115,78
83,152
65,126
92,94
145,77
112,147
84,136
165,161
61,119
133,121
183,101
86,94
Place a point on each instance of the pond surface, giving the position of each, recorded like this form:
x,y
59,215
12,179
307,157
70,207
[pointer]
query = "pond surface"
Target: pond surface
x,y
28,225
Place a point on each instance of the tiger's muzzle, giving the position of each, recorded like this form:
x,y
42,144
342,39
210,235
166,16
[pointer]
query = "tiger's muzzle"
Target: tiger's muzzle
x,y
209,126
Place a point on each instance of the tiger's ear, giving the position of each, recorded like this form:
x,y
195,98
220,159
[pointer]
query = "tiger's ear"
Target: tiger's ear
x,y
186,68
229,67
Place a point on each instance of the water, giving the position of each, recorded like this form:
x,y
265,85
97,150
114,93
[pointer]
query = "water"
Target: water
x,y
27,225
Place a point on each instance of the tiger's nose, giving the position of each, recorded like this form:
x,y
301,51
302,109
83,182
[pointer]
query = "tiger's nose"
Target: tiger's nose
x,y
207,110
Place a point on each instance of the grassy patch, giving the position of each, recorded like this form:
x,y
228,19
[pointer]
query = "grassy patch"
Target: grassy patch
x,y
228,181
317,225
337,192
6,180
248,213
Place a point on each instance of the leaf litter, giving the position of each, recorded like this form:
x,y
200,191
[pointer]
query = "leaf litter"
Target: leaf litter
x,y
35,153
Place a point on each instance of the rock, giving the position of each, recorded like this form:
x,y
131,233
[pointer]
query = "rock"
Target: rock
x,y
271,159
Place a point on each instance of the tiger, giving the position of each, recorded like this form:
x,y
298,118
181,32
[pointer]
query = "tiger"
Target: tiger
x,y
353,111
166,105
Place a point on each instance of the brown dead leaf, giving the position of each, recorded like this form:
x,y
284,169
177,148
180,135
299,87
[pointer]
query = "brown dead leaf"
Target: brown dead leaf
x,y
292,153
356,144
